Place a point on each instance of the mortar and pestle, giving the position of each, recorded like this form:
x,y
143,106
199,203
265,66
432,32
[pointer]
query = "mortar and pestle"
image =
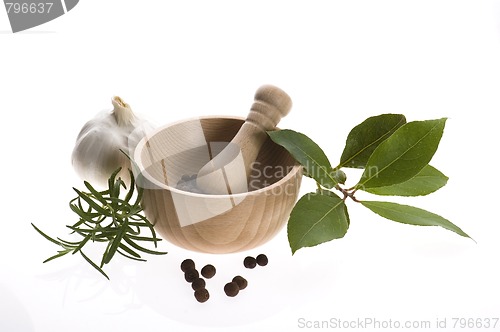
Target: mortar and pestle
x,y
244,186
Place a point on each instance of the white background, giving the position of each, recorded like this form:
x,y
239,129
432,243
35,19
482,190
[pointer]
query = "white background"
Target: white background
x,y
341,61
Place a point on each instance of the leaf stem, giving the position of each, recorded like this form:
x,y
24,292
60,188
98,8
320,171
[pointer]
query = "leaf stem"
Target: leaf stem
x,y
348,193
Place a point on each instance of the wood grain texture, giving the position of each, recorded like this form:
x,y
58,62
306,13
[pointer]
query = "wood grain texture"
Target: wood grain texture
x,y
214,223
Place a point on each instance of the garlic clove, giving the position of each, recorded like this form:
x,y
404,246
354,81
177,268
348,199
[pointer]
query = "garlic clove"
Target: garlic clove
x,y
97,154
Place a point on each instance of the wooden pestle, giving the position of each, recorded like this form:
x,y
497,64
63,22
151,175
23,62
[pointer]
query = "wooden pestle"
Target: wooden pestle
x,y
229,171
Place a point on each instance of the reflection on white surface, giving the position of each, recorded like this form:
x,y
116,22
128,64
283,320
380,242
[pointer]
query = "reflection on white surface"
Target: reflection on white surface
x,y
13,314
81,283
158,286
271,289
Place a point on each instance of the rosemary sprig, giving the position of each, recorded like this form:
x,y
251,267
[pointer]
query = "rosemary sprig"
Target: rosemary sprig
x,y
105,217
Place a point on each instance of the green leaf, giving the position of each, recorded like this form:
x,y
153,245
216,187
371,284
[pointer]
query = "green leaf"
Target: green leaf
x,y
82,214
329,193
113,246
132,186
142,238
68,244
93,264
308,154
112,182
130,257
46,236
82,243
411,215
91,202
403,155
59,254
128,250
315,219
95,193
140,248
347,216
427,181
138,199
365,137
152,230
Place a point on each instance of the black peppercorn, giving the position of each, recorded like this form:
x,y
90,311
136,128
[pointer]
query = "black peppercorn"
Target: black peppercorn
x,y
249,262
208,271
262,260
202,295
231,289
198,283
187,264
241,282
191,275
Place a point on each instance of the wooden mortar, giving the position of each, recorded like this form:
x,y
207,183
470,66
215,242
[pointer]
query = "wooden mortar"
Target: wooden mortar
x,y
214,223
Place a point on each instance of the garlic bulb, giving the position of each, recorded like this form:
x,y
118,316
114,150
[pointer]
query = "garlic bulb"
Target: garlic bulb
x,y
97,150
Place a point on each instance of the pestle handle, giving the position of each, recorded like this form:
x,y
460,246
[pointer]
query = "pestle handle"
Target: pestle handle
x,y
229,171
270,105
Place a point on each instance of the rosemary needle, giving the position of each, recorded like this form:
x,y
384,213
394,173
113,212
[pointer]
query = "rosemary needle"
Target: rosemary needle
x,y
105,217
